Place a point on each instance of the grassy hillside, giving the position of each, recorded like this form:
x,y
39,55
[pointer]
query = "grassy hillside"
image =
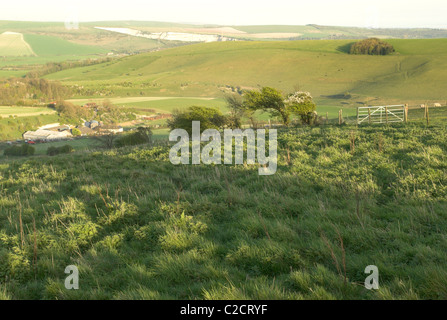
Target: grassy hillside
x,y
416,72
139,227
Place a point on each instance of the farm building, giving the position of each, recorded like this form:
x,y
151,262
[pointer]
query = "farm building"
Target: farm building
x,y
91,105
59,128
85,131
158,117
48,126
92,124
46,135
109,129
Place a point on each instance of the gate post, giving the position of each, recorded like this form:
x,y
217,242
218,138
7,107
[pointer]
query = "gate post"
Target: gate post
x,y
386,114
406,113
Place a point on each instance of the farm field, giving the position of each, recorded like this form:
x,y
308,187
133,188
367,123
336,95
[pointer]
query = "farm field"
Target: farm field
x,y
224,232
52,46
13,44
24,111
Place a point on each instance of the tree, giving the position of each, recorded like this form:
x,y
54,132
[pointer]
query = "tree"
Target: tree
x,y
209,118
301,104
270,100
76,132
106,141
238,110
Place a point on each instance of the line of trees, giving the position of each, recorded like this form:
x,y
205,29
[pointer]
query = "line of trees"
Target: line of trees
x,y
52,67
18,91
242,107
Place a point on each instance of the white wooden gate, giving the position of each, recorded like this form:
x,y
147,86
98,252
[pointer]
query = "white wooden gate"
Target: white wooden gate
x,y
382,114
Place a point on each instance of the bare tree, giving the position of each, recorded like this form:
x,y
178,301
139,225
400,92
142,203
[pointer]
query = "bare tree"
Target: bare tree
x,y
106,141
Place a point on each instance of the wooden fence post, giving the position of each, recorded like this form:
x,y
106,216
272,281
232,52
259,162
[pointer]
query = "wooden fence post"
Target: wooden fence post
x,y
386,114
369,115
427,114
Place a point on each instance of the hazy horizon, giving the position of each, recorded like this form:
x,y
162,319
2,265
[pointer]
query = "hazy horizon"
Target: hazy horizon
x,y
347,13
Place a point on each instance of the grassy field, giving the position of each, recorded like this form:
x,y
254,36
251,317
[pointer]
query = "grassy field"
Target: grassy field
x,y
415,74
6,111
13,44
224,232
52,46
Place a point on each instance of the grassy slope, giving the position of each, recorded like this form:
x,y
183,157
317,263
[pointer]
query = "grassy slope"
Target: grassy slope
x,y
139,227
418,71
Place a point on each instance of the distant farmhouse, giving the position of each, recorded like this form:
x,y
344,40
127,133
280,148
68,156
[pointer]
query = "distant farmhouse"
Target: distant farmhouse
x,y
99,128
55,131
91,105
92,124
158,117
106,129
85,131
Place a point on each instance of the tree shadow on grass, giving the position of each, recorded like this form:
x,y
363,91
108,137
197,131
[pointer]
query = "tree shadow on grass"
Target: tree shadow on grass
x,y
346,48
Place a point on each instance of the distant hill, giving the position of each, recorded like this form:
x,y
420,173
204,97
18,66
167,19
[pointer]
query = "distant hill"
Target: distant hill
x,y
418,70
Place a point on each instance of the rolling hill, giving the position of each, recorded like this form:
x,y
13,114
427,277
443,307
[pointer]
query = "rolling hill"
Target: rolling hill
x,y
418,71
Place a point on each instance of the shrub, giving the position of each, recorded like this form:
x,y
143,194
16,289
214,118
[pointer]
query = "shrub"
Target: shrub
x,y
76,132
372,46
301,103
209,118
52,151
23,150
142,135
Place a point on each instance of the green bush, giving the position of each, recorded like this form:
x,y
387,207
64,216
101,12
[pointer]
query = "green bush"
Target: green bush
x,y
209,118
76,132
52,151
23,150
141,136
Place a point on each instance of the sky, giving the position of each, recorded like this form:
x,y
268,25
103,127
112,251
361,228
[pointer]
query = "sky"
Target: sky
x,y
360,13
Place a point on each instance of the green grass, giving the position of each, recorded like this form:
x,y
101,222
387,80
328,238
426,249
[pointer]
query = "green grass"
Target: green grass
x,y
169,105
79,144
416,73
139,227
